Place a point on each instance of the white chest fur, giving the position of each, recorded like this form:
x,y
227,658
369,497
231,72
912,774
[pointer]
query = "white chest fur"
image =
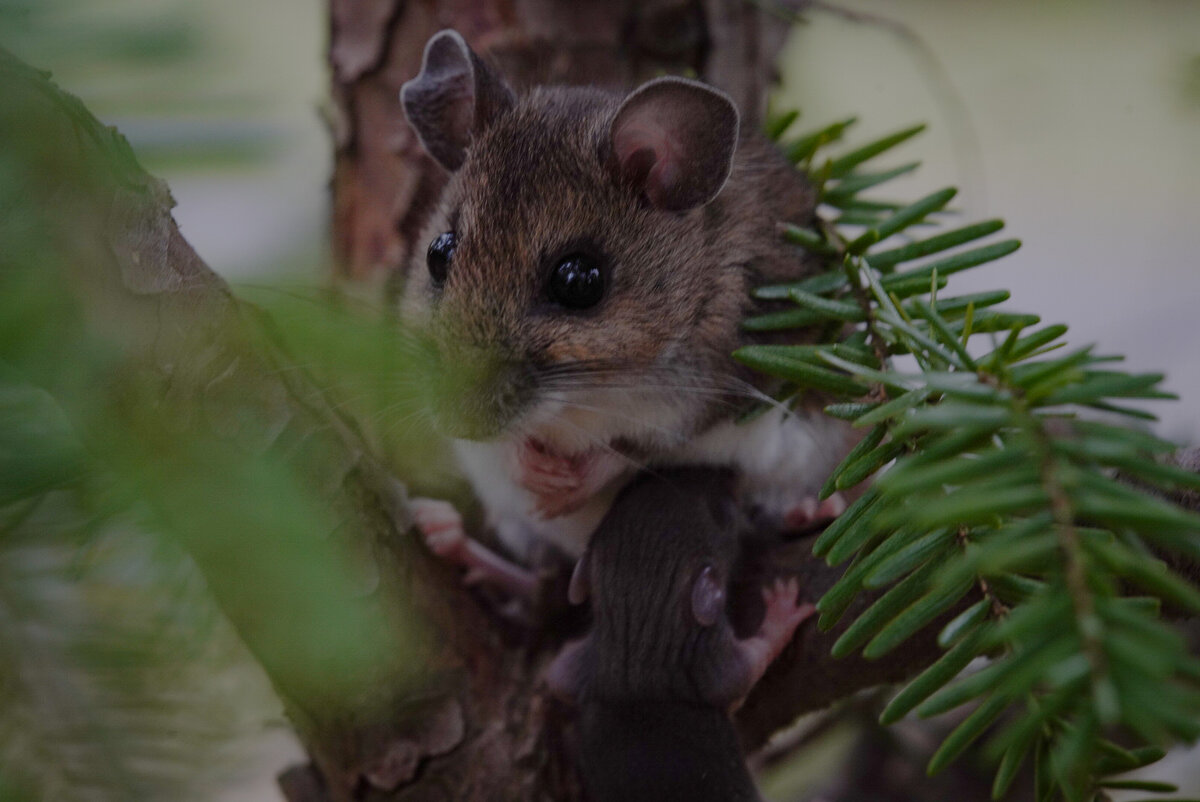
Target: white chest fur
x,y
781,457
509,507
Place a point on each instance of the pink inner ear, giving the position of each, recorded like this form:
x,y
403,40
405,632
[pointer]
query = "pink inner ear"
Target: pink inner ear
x,y
664,176
649,158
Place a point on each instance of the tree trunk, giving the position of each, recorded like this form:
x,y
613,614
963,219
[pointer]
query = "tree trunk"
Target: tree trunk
x,y
383,183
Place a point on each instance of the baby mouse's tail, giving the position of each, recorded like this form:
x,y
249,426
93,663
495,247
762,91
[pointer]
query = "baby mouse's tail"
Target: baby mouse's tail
x,y
648,751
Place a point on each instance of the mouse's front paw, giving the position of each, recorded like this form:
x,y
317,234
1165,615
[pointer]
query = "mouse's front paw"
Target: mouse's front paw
x,y
809,513
442,527
563,483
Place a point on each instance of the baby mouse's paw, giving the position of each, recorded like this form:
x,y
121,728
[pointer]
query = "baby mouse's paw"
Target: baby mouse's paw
x,y
442,527
784,613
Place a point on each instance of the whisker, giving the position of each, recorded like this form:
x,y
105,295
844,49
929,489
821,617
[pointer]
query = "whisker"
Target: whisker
x,y
615,414
597,442
595,375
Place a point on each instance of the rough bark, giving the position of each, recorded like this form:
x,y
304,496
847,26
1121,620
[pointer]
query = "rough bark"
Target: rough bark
x,y
383,182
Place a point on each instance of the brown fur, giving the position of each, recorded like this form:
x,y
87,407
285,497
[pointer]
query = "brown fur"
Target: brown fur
x,y
534,184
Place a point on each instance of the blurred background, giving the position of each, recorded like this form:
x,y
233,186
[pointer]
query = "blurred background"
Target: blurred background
x,y
1077,122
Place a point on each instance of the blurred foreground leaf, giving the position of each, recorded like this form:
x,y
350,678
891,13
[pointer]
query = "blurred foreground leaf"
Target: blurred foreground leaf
x,y
143,415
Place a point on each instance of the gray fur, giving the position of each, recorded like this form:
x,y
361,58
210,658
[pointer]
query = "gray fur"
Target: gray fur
x,y
655,677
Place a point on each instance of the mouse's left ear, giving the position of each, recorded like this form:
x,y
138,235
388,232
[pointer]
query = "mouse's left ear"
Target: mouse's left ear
x,y
673,140
455,96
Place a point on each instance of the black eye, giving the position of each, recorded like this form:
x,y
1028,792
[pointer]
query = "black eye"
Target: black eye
x,y
438,257
577,282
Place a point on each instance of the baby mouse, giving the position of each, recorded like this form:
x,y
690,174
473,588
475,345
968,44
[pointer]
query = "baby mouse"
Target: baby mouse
x,y
587,271
661,668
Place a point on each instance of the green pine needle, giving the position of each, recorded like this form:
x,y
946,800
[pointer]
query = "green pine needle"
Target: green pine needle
x,y
995,482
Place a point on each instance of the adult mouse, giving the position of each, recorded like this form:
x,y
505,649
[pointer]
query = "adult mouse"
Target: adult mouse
x,y
585,277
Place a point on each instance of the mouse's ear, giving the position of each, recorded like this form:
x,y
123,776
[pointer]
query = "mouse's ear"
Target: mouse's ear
x,y
673,140
564,674
455,96
708,596
581,583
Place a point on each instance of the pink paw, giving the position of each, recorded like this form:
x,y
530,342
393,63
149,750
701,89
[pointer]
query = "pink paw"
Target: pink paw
x,y
563,483
810,512
442,527
779,624
784,613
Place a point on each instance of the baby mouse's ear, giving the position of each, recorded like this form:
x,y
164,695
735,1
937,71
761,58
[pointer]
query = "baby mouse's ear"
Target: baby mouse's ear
x,y
673,139
455,96
708,597
581,584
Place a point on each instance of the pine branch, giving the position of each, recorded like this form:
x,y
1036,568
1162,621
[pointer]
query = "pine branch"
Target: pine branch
x,y
998,483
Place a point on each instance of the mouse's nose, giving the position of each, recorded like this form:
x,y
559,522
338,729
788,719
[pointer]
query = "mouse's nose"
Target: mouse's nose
x,y
474,393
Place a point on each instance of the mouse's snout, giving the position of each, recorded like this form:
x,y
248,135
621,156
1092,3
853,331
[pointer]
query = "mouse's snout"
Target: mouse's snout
x,y
474,393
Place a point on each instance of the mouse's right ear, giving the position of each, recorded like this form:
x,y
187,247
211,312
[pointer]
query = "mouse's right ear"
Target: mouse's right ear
x,y
455,96
673,140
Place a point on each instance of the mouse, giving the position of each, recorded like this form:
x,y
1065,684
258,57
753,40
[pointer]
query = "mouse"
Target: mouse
x,y
661,669
582,287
